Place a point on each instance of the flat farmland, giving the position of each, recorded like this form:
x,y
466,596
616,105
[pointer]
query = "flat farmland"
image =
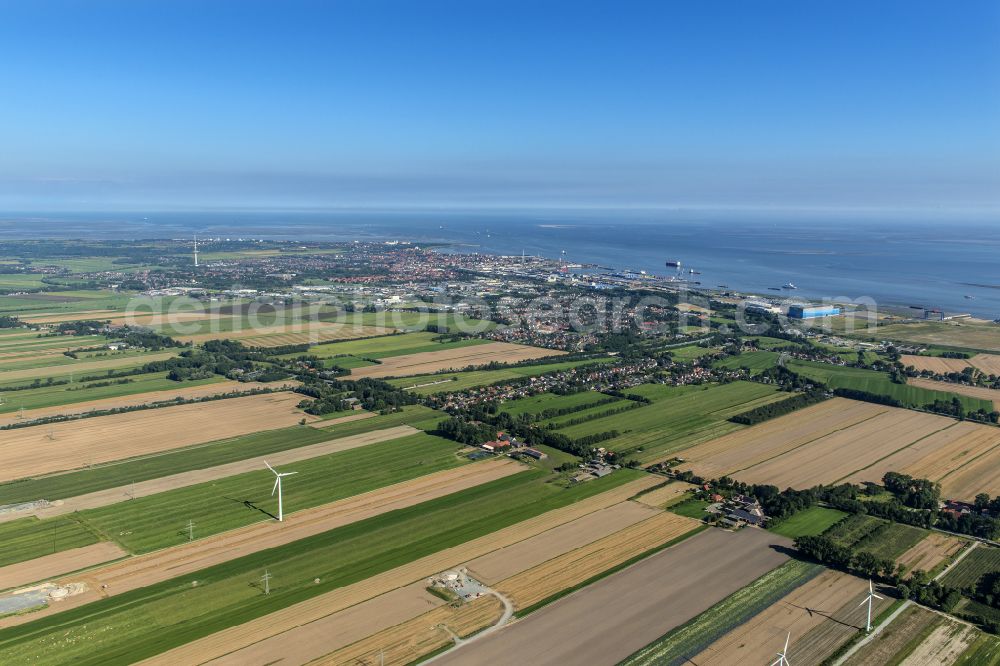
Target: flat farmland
x,y
379,554
68,445
678,417
390,345
970,334
660,497
82,368
841,453
624,612
935,364
801,611
776,437
970,391
950,456
182,391
288,334
456,358
538,404
58,563
459,381
981,560
28,538
934,549
978,475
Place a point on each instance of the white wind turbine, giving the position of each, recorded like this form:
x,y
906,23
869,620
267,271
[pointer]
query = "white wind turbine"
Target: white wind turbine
x,y
277,488
868,600
782,659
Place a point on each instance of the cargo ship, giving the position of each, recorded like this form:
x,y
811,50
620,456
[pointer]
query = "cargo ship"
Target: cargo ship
x,y
673,264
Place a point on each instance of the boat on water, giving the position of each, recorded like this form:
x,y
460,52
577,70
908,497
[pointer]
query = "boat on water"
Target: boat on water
x,y
789,286
673,264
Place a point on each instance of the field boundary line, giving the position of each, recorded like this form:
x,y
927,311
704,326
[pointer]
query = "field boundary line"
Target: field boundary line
x,y
972,460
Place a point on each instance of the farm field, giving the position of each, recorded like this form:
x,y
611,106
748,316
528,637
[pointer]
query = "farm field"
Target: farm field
x,y
879,537
919,637
598,411
235,501
800,612
773,438
756,361
460,381
930,553
58,563
623,612
981,560
677,417
691,352
680,644
988,364
201,456
35,450
838,454
365,549
28,538
836,376
173,482
388,345
288,334
182,390
961,457
668,494
810,522
968,334
455,358
83,368
535,405
970,391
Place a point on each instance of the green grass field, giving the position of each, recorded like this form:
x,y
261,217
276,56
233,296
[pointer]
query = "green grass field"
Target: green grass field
x,y
28,538
983,559
58,368
873,535
810,522
158,521
691,352
79,482
135,625
595,412
679,417
459,381
67,394
388,345
756,361
683,643
539,403
836,376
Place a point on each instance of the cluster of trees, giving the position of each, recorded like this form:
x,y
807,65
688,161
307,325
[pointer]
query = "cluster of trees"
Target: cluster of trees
x,y
466,432
780,408
8,321
955,408
777,504
374,395
867,396
914,493
824,549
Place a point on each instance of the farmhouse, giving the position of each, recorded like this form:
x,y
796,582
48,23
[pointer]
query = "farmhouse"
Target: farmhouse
x,y
743,510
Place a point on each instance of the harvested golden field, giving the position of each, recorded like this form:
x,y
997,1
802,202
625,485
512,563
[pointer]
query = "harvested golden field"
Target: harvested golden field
x,y
987,363
891,644
453,359
407,642
69,445
56,564
661,497
961,389
935,456
944,645
319,607
935,364
505,562
803,609
84,367
290,334
981,475
577,566
840,454
182,391
57,317
934,549
745,448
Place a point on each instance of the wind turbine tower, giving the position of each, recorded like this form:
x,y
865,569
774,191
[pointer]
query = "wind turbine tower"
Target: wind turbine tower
x,y
868,600
277,488
196,250
782,659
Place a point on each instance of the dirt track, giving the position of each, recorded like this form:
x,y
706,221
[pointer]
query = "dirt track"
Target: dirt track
x,y
456,359
182,391
40,568
169,563
162,484
609,620
44,449
325,605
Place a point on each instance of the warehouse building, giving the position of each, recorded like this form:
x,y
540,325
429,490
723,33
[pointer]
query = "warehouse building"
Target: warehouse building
x,y
812,311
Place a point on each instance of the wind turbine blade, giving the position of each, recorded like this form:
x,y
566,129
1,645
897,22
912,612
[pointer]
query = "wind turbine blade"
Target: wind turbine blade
x,y
776,662
863,602
787,638
269,467
287,473
276,482
878,597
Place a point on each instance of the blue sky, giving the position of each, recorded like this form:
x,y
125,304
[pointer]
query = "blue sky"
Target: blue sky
x,y
844,104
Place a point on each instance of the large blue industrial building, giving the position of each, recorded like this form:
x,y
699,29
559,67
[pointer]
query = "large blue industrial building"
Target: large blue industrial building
x,y
812,311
